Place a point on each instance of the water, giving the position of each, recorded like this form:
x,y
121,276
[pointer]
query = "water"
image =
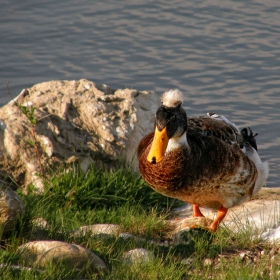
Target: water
x,y
224,55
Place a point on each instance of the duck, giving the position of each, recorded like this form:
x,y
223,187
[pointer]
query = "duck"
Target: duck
x,y
206,161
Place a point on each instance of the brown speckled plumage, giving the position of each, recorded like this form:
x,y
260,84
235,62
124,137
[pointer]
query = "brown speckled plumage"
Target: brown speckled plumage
x,y
203,176
211,171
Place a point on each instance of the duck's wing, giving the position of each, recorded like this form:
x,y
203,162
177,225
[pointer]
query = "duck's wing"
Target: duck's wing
x,y
218,126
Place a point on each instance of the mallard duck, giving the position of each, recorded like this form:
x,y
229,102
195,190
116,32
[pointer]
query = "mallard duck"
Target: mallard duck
x,y
205,161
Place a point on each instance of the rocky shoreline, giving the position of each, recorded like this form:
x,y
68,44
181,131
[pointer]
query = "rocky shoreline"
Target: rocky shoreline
x,y
78,121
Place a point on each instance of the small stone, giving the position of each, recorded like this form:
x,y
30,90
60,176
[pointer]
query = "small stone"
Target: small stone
x,y
195,222
42,253
207,262
128,236
98,230
138,256
40,223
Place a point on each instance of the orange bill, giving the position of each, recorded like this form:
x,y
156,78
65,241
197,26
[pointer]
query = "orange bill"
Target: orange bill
x,y
159,146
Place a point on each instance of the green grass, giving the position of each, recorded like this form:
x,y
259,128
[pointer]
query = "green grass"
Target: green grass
x,y
74,198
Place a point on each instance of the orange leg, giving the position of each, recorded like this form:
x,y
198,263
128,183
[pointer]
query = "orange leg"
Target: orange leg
x,y
220,216
196,211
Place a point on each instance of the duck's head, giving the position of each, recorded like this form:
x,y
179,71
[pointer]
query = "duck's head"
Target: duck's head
x,y
171,122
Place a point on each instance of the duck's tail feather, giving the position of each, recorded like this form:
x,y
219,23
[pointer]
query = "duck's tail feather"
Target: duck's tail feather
x,y
249,137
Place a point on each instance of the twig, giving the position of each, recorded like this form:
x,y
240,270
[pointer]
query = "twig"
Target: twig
x,y
8,90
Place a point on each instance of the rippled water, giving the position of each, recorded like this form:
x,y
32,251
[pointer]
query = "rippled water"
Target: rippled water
x,y
224,55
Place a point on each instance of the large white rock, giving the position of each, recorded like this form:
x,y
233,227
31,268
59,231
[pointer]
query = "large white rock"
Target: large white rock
x,y
260,214
76,120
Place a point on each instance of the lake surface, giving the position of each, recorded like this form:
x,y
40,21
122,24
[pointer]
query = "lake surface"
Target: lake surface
x,y
223,55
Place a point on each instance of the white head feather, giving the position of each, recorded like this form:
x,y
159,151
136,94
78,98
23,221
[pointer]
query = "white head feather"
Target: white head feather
x,y
172,98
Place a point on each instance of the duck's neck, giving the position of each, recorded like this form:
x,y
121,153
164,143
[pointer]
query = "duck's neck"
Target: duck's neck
x,y
177,142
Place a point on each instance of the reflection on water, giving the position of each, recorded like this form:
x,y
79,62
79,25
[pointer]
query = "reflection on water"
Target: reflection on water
x,y
224,55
